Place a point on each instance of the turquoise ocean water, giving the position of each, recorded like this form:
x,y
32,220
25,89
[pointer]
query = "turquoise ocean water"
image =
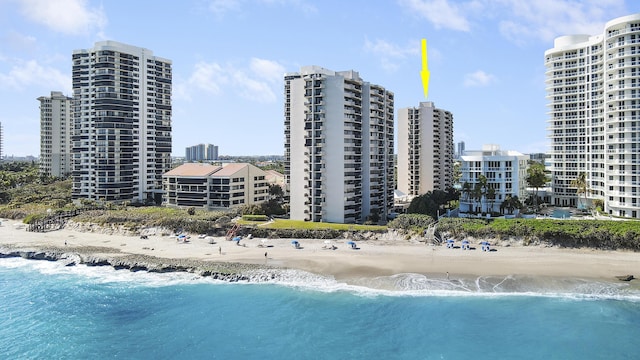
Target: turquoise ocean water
x,y
48,311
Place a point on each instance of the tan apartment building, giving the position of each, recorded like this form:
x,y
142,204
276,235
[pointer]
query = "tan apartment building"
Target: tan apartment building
x,y
56,128
214,187
425,149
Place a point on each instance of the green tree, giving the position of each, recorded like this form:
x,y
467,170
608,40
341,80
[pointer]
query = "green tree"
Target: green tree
x,y
466,190
537,177
453,196
276,191
580,183
598,204
457,171
510,203
476,196
429,203
491,198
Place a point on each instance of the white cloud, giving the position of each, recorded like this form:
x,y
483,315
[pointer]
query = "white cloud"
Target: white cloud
x,y
220,7
32,73
208,77
66,16
391,55
547,19
253,89
256,82
442,14
520,20
478,79
269,70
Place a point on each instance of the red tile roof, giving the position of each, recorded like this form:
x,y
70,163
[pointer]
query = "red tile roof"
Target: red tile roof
x,y
193,169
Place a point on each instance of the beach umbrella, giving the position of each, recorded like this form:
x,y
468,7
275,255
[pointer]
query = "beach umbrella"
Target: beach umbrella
x,y
237,238
210,239
294,242
327,242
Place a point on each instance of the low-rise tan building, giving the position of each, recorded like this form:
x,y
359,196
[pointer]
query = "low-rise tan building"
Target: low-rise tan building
x,y
275,178
214,187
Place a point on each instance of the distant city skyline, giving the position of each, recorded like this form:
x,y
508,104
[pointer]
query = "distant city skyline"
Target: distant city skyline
x,y
229,56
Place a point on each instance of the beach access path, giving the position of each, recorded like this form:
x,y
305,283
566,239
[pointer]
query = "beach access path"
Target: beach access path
x,y
372,258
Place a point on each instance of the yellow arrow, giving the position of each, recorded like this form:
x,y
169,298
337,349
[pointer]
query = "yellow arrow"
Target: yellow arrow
x,y
424,73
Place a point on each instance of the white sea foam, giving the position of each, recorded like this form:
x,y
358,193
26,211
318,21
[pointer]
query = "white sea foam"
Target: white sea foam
x,y
409,284
103,274
421,285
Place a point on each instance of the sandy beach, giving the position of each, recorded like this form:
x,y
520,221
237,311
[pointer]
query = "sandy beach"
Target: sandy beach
x,y
372,258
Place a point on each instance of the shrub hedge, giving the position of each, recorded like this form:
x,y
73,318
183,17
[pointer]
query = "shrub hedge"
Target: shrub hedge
x,y
601,234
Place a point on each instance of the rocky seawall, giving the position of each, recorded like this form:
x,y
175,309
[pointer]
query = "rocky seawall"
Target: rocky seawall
x,y
96,256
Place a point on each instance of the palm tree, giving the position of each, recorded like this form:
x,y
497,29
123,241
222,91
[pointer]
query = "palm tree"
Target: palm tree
x,y
580,183
482,182
510,203
536,178
466,191
476,195
491,197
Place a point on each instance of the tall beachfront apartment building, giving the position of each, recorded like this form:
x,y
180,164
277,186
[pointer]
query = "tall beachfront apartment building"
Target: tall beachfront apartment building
x,y
425,149
593,93
339,133
121,123
56,126
201,152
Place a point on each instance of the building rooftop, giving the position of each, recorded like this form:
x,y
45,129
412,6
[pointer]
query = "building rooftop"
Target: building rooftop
x,y
193,169
230,169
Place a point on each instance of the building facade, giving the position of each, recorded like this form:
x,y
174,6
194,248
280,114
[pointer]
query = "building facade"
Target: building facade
x,y
56,127
425,149
201,152
214,187
121,123
505,172
460,149
339,144
593,93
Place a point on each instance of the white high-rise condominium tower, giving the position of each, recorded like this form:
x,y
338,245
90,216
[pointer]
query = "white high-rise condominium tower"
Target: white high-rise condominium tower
x,y
593,89
338,146
201,152
425,149
122,123
56,127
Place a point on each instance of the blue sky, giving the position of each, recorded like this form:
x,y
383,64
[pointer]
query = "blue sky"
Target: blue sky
x,y
486,59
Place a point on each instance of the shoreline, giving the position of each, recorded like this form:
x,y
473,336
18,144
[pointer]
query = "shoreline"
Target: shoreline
x,y
373,258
